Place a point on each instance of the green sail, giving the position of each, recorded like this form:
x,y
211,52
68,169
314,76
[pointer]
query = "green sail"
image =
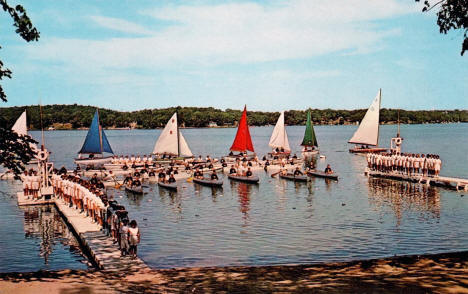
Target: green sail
x,y
309,135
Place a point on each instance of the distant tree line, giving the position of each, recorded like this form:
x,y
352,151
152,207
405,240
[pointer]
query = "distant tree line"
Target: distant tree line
x,y
79,116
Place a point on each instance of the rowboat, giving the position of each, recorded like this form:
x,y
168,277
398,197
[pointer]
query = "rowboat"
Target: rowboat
x,y
367,133
292,177
252,179
95,144
135,190
208,182
320,174
169,186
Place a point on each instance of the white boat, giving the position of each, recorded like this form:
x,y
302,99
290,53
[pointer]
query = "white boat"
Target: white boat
x,y
367,133
95,145
171,141
279,139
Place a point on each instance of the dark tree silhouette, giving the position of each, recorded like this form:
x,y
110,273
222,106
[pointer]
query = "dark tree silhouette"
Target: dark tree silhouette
x,y
452,15
15,150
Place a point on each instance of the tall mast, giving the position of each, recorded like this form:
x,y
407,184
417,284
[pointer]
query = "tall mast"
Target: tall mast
x,y
99,129
178,136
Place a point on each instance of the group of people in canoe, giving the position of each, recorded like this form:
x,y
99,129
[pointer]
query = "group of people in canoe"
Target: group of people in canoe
x,y
405,163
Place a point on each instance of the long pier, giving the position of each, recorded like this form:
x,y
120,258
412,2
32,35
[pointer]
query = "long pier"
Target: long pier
x,y
458,184
104,253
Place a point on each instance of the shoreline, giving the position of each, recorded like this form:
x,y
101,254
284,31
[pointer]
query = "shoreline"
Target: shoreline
x,y
441,273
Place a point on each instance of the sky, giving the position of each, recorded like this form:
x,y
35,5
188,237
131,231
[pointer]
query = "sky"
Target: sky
x,y
270,55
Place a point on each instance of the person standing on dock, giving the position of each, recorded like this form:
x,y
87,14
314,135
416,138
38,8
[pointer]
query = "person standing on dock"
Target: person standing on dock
x,y
133,237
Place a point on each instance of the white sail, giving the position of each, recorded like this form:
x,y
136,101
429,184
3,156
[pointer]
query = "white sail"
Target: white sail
x,y
368,131
20,126
171,140
279,138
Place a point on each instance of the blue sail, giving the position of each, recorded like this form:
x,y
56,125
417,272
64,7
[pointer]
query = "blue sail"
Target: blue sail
x,y
96,140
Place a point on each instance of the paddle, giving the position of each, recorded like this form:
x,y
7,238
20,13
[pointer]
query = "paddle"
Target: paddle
x,y
274,174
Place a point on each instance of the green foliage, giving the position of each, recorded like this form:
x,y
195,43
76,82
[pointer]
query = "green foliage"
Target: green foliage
x,y
15,151
452,15
80,116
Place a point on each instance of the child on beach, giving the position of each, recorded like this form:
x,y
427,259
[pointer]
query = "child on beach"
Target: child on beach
x,y
133,237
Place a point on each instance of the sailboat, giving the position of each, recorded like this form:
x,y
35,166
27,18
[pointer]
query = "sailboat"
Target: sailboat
x,y
96,143
309,141
242,141
368,132
21,128
171,141
279,139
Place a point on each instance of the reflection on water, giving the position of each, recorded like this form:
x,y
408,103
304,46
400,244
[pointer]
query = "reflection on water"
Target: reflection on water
x,y
46,241
404,197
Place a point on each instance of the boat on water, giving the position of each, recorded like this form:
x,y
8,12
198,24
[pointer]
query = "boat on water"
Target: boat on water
x,y
292,177
242,142
309,142
135,190
208,182
279,140
171,142
367,134
95,145
320,174
251,180
169,186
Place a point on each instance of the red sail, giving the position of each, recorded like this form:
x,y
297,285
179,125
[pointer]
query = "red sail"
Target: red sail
x,y
243,142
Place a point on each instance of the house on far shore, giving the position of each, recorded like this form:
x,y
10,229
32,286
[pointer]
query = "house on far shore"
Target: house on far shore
x,y
51,129
212,124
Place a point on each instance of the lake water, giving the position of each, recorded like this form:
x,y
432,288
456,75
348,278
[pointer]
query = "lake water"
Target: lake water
x,y
280,222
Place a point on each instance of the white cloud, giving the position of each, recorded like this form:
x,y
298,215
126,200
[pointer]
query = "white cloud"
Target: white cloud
x,y
120,25
231,33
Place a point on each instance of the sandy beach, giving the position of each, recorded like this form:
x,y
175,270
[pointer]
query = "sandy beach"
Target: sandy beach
x,y
440,273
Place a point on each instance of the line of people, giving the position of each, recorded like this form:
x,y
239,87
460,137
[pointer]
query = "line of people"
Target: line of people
x,y
130,160
31,183
405,163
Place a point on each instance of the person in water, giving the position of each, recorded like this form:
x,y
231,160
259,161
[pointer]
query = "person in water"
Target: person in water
x,y
297,172
214,176
248,173
328,169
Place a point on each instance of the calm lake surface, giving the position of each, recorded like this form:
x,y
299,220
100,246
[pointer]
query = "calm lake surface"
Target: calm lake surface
x,y
277,221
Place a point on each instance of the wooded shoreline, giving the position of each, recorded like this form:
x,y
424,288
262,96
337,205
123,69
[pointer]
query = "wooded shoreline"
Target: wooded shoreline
x,y
79,116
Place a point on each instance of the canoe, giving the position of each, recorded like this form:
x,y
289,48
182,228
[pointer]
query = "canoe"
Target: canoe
x,y
252,179
320,174
93,161
368,150
292,177
169,186
208,182
135,190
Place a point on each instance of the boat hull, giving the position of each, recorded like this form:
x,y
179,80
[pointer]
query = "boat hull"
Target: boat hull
x,y
169,186
134,190
368,150
209,183
290,177
320,174
250,180
93,161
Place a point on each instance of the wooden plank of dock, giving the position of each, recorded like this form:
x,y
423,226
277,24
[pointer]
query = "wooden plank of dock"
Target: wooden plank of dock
x,y
28,200
451,182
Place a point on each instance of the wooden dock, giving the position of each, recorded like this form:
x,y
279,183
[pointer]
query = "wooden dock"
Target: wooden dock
x,y
97,245
458,184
